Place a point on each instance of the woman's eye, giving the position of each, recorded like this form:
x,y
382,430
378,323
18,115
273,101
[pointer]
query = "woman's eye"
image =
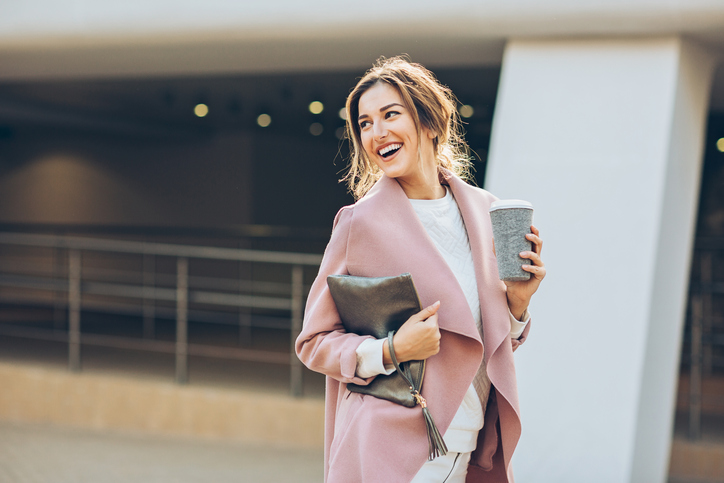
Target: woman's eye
x,y
364,124
390,114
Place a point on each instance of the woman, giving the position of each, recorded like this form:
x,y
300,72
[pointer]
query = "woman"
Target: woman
x,y
416,214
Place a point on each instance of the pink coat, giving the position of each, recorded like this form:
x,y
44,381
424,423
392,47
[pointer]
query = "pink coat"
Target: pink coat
x,y
373,440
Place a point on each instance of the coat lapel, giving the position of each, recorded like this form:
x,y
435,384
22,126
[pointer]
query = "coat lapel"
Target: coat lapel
x,y
390,240
491,290
493,301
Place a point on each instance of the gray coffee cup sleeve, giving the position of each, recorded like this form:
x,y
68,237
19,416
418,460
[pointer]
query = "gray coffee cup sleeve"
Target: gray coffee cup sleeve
x,y
510,225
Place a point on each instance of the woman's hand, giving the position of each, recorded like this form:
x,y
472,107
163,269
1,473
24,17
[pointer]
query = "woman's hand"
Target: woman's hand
x,y
417,339
520,293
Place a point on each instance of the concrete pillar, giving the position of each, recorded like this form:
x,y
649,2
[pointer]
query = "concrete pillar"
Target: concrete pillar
x,y
605,138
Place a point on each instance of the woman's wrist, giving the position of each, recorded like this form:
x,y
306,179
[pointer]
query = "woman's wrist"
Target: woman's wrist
x,y
399,352
517,309
386,358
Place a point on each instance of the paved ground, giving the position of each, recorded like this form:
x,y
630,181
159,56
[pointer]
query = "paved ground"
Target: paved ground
x,y
44,454
31,453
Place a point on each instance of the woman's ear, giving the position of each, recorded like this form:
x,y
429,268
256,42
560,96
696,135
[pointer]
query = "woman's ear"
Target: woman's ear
x,y
430,133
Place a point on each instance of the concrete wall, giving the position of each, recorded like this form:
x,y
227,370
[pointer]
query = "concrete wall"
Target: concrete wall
x,y
23,19
55,177
43,38
217,180
604,137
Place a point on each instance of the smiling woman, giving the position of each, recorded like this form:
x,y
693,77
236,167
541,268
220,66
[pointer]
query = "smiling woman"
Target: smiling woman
x,y
429,120
416,214
388,132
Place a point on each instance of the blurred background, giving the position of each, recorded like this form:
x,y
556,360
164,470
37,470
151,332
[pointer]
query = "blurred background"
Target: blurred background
x,y
168,180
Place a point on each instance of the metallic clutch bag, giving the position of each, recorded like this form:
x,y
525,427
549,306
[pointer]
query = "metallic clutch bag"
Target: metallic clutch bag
x,y
378,307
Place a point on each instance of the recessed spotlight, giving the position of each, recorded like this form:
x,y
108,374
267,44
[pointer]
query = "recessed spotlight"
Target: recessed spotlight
x,y
263,120
343,113
720,145
466,111
316,107
201,110
315,129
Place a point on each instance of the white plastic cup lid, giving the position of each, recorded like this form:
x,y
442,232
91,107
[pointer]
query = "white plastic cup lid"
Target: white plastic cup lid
x,y
507,204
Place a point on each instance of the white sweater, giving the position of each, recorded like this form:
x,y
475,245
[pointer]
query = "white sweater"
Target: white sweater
x,y
444,224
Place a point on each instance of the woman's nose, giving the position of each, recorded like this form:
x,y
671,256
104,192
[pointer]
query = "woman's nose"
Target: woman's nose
x,y
379,130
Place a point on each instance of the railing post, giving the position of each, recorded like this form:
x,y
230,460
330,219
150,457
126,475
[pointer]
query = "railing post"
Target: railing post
x,y
706,280
74,296
60,297
695,369
182,294
244,312
149,296
297,309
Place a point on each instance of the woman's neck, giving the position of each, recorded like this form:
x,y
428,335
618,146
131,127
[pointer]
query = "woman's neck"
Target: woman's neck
x,y
423,192
425,186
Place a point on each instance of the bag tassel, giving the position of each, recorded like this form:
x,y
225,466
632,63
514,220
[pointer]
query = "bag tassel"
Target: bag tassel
x,y
435,444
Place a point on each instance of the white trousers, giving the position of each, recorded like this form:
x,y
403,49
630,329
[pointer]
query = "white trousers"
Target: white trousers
x,y
451,468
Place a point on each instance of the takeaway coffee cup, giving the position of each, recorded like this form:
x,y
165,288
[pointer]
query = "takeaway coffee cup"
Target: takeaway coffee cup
x,y
511,222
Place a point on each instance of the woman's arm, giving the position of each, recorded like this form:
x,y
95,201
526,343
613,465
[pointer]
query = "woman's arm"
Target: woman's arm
x,y
323,345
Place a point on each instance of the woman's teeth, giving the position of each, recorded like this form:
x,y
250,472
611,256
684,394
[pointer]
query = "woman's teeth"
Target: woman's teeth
x,y
387,150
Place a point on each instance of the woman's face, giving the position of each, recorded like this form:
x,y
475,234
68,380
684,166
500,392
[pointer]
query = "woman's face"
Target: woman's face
x,y
389,136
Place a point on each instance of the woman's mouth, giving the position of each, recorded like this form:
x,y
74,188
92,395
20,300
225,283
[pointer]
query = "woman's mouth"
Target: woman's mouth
x,y
389,150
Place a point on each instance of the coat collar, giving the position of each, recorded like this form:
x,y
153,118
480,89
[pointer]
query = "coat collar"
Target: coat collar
x,y
474,205
405,246
491,291
395,221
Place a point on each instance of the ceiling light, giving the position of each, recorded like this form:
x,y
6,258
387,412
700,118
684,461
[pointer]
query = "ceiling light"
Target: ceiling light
x,y
263,120
466,111
201,110
316,129
316,107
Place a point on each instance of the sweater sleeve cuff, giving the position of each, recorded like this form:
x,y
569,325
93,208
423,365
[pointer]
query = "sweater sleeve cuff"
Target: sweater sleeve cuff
x,y
369,359
518,326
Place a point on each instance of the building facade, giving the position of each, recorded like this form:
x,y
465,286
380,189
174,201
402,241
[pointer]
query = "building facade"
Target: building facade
x,y
599,114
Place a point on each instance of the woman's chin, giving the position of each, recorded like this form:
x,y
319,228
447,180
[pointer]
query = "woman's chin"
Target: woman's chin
x,y
391,170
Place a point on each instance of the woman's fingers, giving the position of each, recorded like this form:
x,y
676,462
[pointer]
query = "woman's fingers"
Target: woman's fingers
x,y
538,271
534,254
428,311
537,242
538,267
419,336
533,257
534,237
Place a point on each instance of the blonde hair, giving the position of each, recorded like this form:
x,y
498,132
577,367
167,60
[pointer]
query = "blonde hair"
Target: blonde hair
x,y
430,104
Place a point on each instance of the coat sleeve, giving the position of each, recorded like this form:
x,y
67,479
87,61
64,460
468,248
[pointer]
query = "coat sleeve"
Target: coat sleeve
x,y
323,345
517,342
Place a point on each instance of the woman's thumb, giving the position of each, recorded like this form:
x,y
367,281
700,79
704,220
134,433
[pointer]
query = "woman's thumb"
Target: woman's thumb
x,y
429,311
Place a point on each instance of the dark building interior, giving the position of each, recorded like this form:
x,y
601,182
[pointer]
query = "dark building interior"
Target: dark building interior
x,y
235,162
133,153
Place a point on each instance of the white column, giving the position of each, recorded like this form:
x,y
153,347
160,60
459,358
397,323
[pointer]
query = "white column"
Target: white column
x,y
605,138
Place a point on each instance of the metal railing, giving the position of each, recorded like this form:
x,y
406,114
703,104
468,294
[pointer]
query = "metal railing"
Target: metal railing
x,y
704,336
213,291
